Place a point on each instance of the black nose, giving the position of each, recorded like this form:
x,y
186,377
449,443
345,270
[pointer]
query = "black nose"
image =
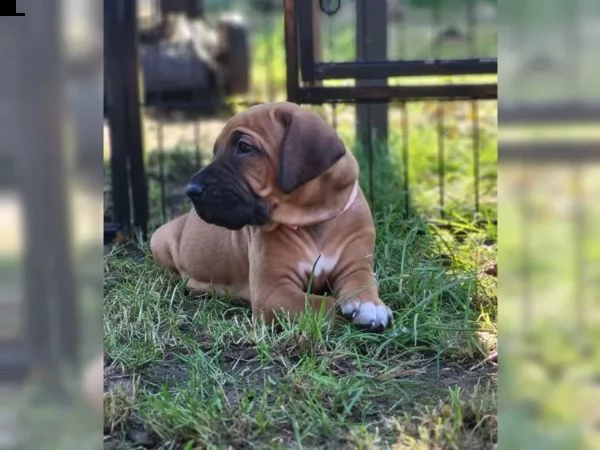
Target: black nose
x,y
194,191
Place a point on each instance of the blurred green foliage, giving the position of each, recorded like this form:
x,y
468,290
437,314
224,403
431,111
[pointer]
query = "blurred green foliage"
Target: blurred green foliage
x,y
549,318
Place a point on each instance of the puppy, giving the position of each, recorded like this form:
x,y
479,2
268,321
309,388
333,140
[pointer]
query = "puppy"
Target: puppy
x,y
278,208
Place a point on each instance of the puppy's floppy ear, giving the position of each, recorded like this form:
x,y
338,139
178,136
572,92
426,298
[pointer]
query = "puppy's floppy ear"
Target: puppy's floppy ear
x,y
310,147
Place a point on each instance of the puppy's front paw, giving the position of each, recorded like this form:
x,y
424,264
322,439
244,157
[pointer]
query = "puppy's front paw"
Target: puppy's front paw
x,y
368,314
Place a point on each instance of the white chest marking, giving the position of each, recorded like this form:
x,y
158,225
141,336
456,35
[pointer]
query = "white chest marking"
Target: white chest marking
x,y
323,266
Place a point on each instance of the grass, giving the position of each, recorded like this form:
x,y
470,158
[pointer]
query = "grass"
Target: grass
x,y
196,371
199,370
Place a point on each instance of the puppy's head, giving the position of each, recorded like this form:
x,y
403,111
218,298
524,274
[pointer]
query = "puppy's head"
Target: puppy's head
x,y
275,163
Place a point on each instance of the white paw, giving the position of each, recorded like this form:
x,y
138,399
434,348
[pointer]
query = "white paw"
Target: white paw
x,y
367,314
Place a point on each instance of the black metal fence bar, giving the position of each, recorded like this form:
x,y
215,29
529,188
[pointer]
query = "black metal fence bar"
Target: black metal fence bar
x,y
476,162
161,169
372,120
197,153
127,158
563,112
291,50
270,85
405,161
317,95
114,87
183,105
550,152
334,119
441,158
385,69
304,13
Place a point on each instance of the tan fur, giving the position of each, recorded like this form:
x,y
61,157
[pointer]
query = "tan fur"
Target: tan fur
x,y
267,265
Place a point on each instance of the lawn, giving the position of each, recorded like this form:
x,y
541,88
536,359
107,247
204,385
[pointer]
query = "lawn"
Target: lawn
x,y
190,371
195,370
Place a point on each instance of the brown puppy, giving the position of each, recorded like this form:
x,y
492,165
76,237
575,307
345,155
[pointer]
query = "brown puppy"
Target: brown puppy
x,y
280,201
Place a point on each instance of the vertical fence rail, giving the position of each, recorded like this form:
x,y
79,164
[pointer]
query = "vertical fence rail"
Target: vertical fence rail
x,y
129,184
371,45
405,159
114,87
476,146
160,143
197,153
291,53
441,157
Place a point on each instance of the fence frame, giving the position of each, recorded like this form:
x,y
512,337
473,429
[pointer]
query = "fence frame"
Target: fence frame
x,y
549,151
304,76
300,57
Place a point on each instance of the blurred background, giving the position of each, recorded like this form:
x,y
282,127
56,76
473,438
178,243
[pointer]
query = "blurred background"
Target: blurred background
x,y
202,61
52,170
549,236
51,209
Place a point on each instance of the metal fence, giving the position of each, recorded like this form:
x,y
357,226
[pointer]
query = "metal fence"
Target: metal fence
x,y
386,74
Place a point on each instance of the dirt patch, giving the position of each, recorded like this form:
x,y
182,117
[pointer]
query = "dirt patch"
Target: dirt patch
x,y
122,429
164,373
454,375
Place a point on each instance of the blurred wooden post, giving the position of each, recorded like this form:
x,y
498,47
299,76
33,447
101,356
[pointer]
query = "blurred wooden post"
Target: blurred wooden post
x,y
371,45
50,293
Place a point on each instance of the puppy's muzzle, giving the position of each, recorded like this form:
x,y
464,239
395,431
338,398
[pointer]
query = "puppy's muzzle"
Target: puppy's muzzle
x,y
226,201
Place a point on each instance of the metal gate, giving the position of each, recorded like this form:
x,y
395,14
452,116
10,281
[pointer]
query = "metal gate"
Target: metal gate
x,y
371,83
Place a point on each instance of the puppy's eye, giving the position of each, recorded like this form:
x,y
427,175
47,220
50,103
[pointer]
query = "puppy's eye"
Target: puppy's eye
x,y
244,149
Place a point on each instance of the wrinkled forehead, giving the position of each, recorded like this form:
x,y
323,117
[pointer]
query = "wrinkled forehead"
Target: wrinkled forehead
x,y
263,123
